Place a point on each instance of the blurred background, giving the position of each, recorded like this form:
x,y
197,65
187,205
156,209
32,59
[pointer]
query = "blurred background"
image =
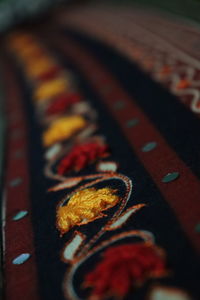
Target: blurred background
x,y
16,11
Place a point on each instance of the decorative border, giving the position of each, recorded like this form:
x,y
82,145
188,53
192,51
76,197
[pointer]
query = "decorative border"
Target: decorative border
x,y
77,249
45,92
163,60
18,243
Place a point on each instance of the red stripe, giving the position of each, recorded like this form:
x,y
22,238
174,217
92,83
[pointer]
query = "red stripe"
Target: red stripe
x,y
20,280
127,44
182,194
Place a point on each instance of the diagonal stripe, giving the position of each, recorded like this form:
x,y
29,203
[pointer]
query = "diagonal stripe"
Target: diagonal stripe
x,y
183,193
21,280
179,126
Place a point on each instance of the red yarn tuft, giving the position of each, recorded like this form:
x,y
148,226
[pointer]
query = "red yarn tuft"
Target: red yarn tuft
x,y
50,74
123,267
63,102
81,156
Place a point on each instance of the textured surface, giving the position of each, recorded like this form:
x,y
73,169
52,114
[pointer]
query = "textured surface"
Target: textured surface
x,y
117,95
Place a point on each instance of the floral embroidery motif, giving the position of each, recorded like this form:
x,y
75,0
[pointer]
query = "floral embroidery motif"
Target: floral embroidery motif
x,y
72,146
34,69
51,88
123,267
84,207
154,55
63,128
62,103
82,155
50,74
183,84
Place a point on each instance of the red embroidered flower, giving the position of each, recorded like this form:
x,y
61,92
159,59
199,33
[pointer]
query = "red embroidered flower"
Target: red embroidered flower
x,y
81,156
124,267
63,102
50,74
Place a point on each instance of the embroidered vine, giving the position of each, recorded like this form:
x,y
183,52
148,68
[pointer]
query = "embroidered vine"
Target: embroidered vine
x,y
72,145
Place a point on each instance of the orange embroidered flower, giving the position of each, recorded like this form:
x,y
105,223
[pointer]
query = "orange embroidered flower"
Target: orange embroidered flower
x,y
39,63
166,70
25,47
27,52
84,207
62,129
32,52
37,70
19,40
124,267
183,84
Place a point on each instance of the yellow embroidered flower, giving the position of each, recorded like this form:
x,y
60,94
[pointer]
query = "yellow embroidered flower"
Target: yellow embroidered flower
x,y
36,68
19,40
51,88
39,61
62,129
84,207
32,54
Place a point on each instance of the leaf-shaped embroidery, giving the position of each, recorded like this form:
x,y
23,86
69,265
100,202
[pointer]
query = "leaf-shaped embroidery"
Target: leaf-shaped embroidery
x,y
68,183
53,151
72,247
124,217
85,206
107,166
168,293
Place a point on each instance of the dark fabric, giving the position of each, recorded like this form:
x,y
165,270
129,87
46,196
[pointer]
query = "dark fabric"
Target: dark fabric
x,y
177,125
157,217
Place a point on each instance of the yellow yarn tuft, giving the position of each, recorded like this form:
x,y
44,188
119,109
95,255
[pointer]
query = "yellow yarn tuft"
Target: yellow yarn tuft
x,y
51,88
62,129
27,50
37,62
84,207
19,40
35,68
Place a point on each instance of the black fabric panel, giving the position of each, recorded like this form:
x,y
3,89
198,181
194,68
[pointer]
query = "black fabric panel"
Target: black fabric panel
x,y
156,217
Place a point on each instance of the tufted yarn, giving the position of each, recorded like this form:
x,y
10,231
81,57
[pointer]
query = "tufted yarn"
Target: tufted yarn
x,y
84,207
